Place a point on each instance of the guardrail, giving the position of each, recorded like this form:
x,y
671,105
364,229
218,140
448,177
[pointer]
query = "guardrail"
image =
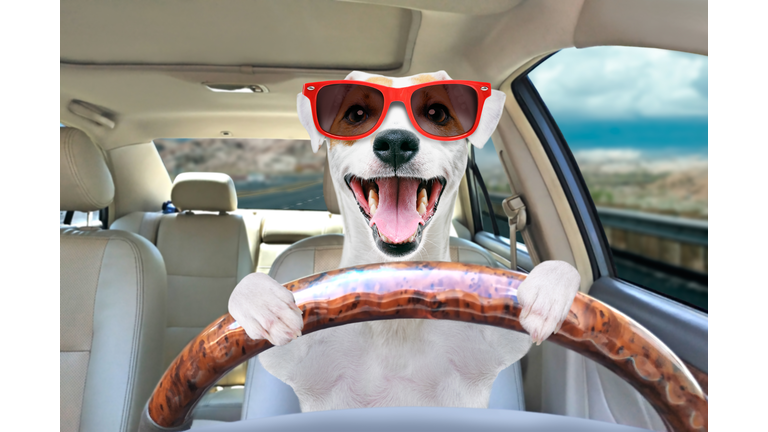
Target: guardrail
x,y
672,241
669,227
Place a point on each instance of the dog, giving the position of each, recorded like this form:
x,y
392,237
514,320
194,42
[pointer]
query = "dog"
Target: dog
x,y
398,207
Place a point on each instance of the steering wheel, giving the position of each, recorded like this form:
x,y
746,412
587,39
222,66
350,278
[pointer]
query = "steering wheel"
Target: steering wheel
x,y
436,290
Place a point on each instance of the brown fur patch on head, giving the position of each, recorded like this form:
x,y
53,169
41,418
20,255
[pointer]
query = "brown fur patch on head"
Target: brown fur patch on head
x,y
380,81
423,78
335,142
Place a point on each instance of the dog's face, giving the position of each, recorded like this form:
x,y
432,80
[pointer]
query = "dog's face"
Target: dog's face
x,y
394,185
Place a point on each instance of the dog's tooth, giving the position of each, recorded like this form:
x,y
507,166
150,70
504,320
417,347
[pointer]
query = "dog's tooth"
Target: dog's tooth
x,y
422,208
373,201
422,201
381,235
411,238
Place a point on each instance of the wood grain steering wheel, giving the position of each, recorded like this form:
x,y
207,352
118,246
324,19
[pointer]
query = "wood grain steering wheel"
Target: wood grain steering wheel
x,y
438,290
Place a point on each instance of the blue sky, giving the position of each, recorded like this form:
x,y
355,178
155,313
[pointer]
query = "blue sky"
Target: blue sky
x,y
640,99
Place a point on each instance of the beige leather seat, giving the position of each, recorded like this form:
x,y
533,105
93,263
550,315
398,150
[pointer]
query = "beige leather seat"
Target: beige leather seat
x,y
207,251
112,296
207,254
281,229
266,396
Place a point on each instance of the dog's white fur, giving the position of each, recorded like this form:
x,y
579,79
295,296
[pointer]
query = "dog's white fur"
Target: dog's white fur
x,y
398,362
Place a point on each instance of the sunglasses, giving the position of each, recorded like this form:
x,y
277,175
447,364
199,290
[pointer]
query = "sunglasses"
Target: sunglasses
x,y
441,110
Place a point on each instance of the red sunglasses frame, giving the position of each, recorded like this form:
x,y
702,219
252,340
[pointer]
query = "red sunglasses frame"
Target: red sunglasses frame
x,y
402,94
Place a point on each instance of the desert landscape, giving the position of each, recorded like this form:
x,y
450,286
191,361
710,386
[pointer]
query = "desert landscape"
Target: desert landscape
x,y
675,186
242,159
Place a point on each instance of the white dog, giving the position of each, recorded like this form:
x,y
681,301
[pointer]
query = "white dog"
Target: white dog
x,y
398,207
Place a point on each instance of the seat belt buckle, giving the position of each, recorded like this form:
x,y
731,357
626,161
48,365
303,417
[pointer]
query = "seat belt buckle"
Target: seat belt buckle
x,y
514,208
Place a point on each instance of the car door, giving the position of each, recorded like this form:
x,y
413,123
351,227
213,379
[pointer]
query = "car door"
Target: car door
x,y
621,134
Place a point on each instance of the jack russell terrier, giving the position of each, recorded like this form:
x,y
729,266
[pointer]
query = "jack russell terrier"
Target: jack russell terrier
x,y
396,168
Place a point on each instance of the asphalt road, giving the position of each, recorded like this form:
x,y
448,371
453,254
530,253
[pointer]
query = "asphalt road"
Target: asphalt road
x,y
286,193
306,197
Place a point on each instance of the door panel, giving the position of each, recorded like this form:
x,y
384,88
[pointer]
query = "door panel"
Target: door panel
x,y
680,327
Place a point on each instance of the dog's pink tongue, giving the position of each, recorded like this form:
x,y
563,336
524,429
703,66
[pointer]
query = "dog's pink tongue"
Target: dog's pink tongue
x,y
396,217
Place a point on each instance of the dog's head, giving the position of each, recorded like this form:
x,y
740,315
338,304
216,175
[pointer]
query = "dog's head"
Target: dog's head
x,y
397,185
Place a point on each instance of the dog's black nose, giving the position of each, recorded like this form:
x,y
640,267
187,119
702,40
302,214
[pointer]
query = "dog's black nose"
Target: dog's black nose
x,y
396,147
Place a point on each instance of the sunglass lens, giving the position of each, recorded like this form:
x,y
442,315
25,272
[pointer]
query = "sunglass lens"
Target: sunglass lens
x,y
445,109
348,109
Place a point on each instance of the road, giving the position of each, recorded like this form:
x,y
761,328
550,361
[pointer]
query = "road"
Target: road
x,y
284,195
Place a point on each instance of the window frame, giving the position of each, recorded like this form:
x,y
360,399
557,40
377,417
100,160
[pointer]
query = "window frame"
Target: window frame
x,y
567,171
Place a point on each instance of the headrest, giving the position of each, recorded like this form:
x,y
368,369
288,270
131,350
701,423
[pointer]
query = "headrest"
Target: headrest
x,y
329,193
204,191
85,183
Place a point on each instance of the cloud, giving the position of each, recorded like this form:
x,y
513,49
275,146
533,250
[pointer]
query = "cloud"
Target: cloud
x,y
623,82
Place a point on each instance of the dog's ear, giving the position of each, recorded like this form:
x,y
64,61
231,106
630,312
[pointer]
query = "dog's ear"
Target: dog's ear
x,y
489,118
359,76
441,75
304,107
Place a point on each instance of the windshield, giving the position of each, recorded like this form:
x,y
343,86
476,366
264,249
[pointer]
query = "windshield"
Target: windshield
x,y
268,173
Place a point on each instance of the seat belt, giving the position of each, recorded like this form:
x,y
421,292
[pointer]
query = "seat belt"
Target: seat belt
x,y
514,208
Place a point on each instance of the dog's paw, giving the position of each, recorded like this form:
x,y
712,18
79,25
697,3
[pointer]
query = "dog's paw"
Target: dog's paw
x,y
546,296
265,309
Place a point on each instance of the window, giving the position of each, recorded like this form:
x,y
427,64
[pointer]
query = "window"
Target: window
x,y
268,173
489,186
493,176
81,219
636,122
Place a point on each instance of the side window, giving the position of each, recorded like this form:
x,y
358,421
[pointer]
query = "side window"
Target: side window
x,y
493,177
80,219
636,121
488,187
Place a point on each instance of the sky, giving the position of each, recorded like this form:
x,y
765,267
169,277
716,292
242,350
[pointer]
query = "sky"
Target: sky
x,y
628,101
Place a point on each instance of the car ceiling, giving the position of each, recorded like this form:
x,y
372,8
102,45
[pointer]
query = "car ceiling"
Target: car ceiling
x,y
143,63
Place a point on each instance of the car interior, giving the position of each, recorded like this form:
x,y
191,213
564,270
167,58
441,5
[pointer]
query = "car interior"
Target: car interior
x,y
139,282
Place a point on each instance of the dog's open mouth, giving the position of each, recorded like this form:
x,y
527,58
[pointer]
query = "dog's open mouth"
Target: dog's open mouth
x,y
397,209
